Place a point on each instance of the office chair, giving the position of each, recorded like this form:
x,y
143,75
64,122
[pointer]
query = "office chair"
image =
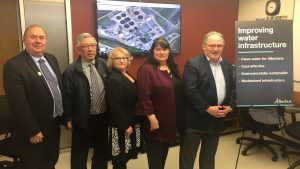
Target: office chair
x,y
292,130
249,123
6,145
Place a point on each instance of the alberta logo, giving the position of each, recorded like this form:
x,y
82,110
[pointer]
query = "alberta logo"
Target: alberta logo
x,y
285,101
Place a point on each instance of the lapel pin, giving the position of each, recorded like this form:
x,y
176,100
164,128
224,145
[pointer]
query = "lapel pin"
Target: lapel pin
x,y
39,73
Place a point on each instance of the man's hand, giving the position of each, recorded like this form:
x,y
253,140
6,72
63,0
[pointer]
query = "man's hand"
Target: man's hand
x,y
69,125
37,138
128,131
227,108
218,111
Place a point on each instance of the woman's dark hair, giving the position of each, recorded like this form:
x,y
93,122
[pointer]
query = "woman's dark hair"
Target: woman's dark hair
x,y
163,43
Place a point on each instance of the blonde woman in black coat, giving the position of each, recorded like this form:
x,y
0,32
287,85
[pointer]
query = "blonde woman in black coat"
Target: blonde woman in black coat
x,y
121,98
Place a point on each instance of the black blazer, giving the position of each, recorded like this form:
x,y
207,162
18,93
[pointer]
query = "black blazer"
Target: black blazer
x,y
77,99
121,97
29,97
201,92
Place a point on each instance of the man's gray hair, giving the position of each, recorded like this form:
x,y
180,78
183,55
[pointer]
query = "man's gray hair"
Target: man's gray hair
x,y
83,36
210,34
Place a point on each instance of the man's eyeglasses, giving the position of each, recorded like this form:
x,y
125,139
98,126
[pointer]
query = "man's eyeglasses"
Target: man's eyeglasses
x,y
88,46
215,46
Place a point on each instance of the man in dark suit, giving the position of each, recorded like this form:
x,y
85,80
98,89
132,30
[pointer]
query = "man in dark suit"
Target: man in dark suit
x,y
35,101
85,105
210,90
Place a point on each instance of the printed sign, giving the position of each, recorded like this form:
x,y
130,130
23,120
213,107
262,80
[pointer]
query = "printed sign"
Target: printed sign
x,y
264,63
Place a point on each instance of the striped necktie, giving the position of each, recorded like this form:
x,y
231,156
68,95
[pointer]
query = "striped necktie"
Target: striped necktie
x,y
54,87
97,92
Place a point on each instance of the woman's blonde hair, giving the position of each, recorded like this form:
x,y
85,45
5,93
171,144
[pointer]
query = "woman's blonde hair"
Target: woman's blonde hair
x,y
113,54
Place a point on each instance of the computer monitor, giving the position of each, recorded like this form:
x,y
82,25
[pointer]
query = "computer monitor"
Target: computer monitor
x,y
134,25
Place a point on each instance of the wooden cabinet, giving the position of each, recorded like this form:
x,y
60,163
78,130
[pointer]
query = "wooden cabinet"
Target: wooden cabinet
x,y
232,122
9,33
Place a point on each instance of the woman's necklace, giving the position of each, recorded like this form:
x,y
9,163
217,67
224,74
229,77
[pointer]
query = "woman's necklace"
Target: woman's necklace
x,y
165,68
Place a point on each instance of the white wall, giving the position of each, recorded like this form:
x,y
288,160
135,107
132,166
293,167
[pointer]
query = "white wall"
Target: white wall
x,y
297,46
250,10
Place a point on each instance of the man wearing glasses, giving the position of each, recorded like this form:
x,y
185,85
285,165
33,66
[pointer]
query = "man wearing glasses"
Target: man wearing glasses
x,y
210,91
85,107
